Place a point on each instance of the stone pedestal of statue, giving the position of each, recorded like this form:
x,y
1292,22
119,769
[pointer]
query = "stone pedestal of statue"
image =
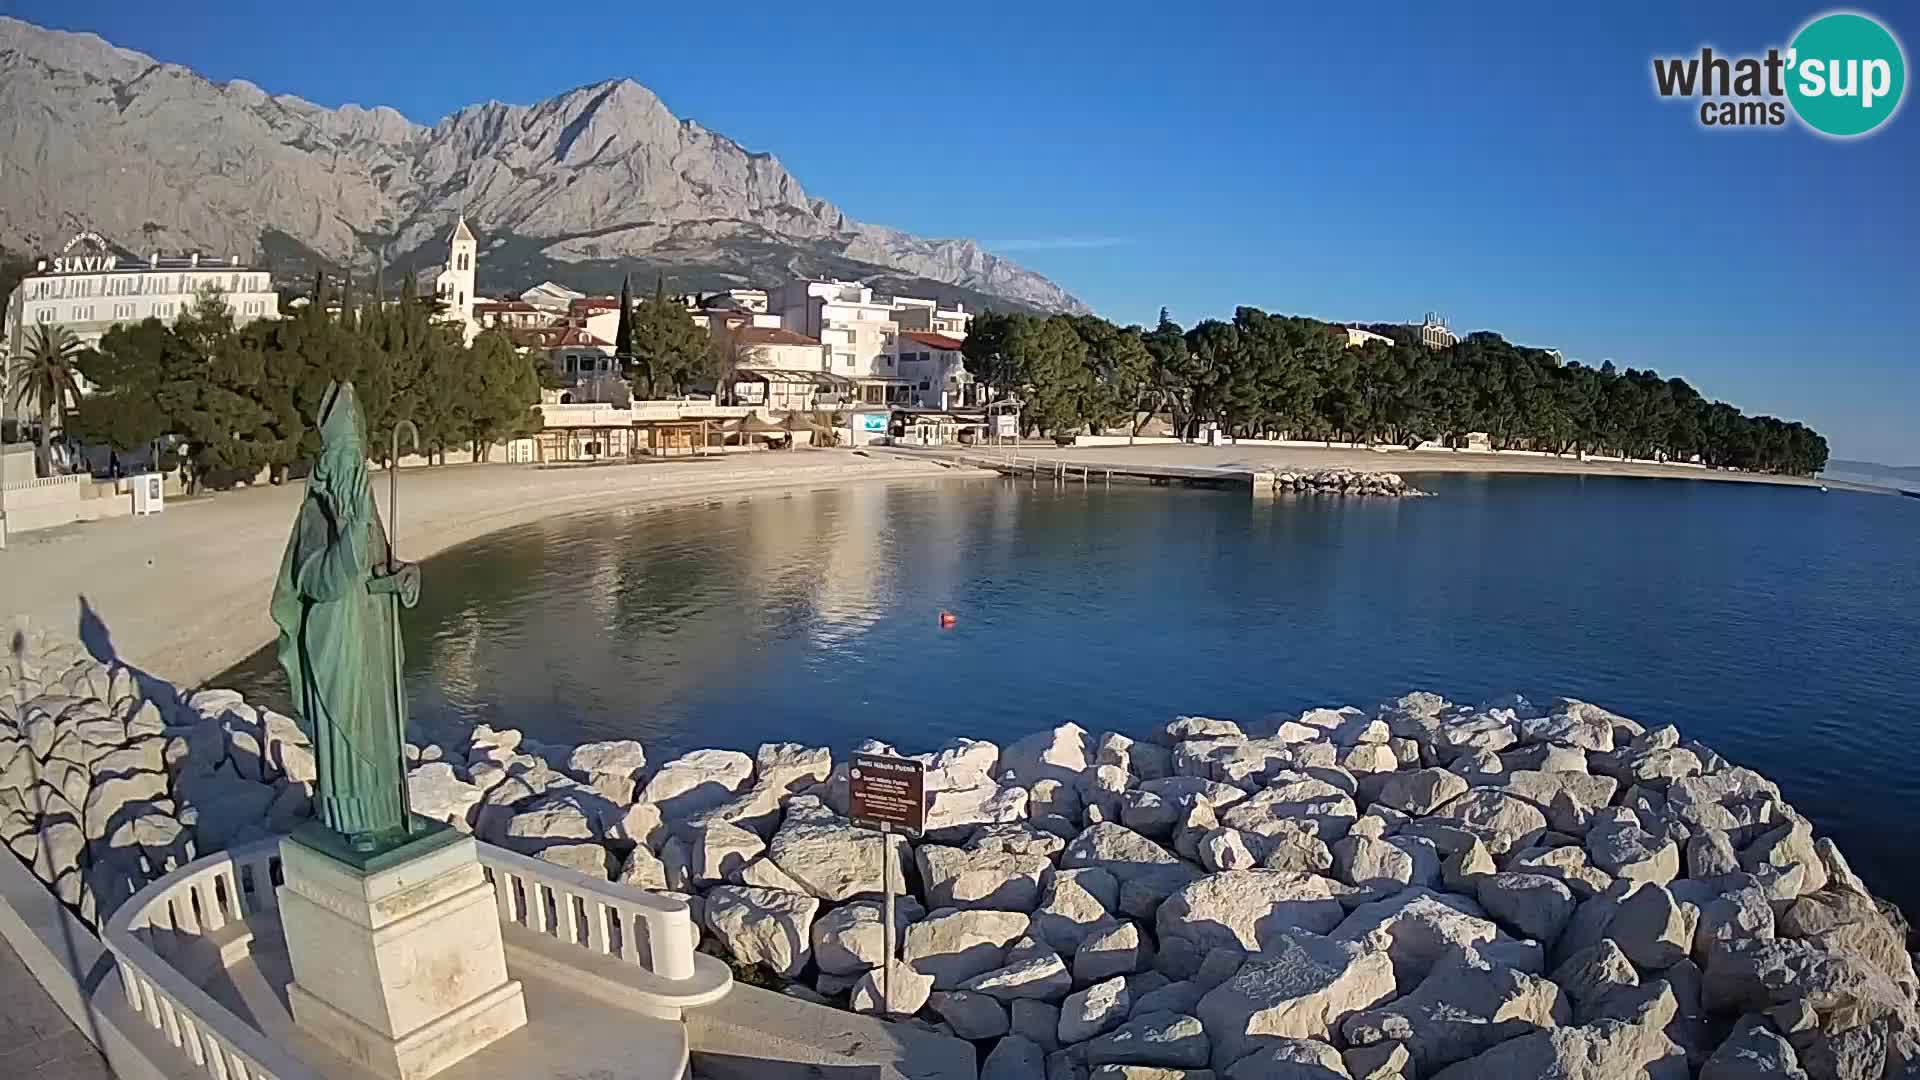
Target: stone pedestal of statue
x,y
397,959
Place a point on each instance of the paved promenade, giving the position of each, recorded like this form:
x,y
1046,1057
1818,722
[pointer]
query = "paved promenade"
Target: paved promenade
x,y
183,595
37,1041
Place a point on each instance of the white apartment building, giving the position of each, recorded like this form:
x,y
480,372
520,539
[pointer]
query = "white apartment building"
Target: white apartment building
x,y
936,371
88,290
914,313
856,330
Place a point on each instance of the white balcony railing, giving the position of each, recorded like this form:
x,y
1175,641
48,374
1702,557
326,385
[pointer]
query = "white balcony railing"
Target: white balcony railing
x,y
654,934
198,899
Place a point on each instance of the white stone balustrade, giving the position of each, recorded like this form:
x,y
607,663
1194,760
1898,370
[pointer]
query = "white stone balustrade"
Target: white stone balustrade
x,y
654,934
201,898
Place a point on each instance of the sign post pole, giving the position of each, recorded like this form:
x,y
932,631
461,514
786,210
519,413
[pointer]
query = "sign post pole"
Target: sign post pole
x,y
886,876
884,792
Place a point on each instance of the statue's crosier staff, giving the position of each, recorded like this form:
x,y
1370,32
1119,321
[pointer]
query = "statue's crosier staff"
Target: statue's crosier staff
x,y
393,564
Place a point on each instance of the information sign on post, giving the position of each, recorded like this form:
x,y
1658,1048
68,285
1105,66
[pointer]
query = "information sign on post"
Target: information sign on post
x,y
887,793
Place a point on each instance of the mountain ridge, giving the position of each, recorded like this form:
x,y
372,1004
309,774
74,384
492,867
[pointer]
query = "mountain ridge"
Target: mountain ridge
x,y
586,184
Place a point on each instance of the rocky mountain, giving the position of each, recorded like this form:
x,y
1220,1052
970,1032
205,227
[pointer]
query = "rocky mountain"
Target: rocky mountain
x,y
582,187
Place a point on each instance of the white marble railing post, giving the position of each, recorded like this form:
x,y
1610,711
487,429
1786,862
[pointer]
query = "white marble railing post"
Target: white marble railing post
x,y
552,893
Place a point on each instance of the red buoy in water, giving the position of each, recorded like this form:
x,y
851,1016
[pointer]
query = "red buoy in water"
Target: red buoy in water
x,y
947,619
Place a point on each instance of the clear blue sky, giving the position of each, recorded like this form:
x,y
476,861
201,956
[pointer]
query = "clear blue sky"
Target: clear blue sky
x,y
1506,164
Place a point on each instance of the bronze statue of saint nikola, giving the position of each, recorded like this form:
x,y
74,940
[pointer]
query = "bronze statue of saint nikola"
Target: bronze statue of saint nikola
x,y
337,605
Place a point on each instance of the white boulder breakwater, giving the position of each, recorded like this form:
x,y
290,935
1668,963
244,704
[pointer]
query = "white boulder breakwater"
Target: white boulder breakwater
x,y
1424,890
1344,482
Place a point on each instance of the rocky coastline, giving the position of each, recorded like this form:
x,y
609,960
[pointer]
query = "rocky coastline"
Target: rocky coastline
x,y
1424,890
1344,482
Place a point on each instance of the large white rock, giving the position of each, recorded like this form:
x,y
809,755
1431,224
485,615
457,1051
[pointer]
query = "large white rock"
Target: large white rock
x,y
118,797
1631,853
1421,791
1242,909
1502,821
792,766
1598,1051
1417,928
1653,929
986,803
1147,872
1590,975
1076,904
834,860
1294,798
697,781
548,821
970,1015
615,757
1116,949
1570,799
1465,1006
1301,986
852,938
1060,755
763,926
1534,905
1152,1041
436,791
1788,847
955,946
902,993
958,878
1041,978
1094,1011
961,763
720,852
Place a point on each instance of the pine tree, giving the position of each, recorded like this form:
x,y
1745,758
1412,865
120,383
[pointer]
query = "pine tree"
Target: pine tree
x,y
623,334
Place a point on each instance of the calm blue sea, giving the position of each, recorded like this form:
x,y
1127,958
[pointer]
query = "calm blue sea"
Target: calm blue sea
x,y
1779,625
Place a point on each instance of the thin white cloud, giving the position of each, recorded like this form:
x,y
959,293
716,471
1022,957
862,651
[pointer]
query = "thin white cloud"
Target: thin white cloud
x,y
1063,243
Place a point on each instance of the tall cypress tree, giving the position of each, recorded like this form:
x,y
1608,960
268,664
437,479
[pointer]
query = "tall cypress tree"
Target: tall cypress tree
x,y
623,334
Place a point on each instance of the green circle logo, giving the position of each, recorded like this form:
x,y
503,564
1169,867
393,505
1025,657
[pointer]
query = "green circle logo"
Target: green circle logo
x,y
1846,74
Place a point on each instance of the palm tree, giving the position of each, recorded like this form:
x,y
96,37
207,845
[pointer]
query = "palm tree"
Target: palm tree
x,y
45,377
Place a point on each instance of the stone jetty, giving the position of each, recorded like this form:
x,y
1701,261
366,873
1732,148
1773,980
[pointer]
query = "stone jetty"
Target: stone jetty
x,y
1424,891
1344,482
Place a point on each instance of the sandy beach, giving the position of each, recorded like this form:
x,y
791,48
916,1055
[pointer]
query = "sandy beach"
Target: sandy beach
x,y
183,595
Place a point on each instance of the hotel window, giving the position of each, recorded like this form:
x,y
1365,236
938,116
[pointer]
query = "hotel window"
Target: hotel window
x,y
123,311
44,315
83,314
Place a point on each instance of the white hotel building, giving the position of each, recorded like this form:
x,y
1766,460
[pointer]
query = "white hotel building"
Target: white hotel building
x,y
88,290
857,330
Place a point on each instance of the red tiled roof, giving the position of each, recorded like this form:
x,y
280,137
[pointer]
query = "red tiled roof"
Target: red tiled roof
x,y
933,341
593,303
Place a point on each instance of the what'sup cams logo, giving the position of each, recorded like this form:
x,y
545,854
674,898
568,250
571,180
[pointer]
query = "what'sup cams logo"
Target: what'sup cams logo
x,y
1843,76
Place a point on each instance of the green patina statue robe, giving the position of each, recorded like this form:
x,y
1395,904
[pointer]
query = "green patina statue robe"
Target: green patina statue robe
x,y
336,603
